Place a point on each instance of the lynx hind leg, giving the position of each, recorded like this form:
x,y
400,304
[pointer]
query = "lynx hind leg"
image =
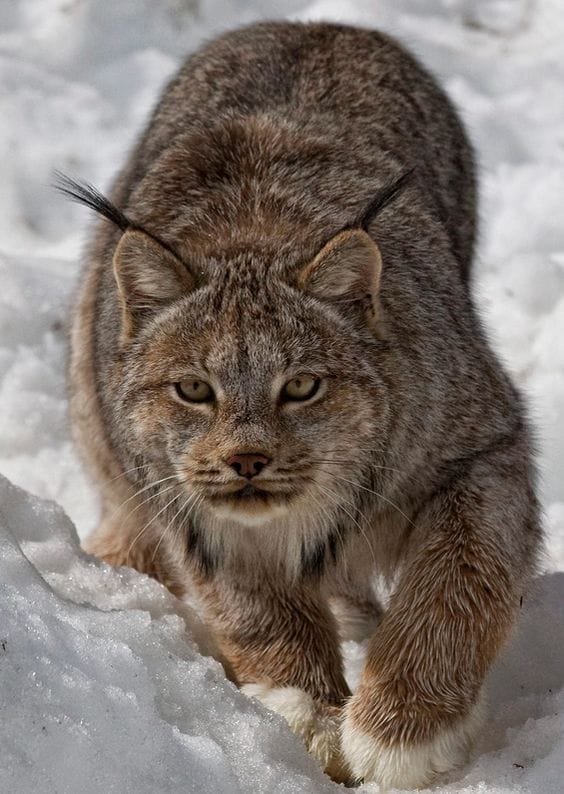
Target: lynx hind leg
x,y
316,724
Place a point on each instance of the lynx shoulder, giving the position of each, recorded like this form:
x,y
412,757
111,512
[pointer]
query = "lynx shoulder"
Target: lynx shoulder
x,y
281,385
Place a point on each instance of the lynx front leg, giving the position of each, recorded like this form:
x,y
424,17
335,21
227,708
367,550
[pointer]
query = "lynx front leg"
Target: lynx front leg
x,y
281,642
419,704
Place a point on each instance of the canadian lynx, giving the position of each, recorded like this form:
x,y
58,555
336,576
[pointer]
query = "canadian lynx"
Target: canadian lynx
x,y
282,387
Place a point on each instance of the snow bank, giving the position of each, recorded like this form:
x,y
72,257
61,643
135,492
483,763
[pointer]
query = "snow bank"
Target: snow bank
x,y
104,687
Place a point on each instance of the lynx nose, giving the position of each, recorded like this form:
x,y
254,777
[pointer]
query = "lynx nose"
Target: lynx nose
x,y
248,464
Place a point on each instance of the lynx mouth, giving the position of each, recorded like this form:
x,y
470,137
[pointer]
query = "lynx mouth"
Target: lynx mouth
x,y
250,503
250,493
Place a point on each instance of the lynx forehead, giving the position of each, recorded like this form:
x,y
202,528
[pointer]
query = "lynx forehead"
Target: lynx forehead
x,y
279,379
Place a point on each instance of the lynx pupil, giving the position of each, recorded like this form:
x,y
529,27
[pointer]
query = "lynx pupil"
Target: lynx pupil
x,y
195,391
301,387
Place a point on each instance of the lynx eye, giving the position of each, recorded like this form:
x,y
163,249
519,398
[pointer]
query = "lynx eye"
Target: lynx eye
x,y
194,391
302,387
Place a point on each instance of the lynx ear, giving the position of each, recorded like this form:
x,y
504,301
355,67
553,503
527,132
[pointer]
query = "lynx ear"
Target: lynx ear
x,y
149,276
346,270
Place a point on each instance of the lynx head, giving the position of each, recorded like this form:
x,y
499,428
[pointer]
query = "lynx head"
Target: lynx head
x,y
250,380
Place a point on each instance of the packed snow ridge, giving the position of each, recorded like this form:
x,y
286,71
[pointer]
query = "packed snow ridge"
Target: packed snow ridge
x,y
106,680
105,688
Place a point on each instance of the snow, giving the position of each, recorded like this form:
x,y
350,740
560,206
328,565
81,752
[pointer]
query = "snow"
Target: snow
x,y
103,687
102,680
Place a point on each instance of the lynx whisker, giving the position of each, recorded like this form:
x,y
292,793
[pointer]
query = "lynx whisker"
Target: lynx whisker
x,y
165,530
339,503
193,497
330,520
140,491
150,498
124,473
340,461
376,493
148,524
192,508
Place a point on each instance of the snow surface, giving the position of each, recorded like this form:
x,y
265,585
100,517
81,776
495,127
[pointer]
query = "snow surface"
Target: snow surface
x,y
102,687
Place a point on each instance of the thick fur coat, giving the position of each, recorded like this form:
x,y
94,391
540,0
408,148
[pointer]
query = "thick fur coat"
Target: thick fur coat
x,y
281,385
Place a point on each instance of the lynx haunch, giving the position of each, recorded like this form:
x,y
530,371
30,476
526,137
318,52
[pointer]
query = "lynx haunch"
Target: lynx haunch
x,y
282,387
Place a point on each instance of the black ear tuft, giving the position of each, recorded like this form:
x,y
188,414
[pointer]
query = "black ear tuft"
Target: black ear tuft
x,y
84,193
384,196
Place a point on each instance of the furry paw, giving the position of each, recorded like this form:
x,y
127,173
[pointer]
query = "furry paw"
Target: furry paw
x,y
408,766
316,724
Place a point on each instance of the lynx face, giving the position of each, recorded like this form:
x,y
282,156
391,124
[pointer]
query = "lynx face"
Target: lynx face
x,y
252,391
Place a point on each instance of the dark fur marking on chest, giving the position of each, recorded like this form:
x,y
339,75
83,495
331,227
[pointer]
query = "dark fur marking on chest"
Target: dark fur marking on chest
x,y
314,559
197,553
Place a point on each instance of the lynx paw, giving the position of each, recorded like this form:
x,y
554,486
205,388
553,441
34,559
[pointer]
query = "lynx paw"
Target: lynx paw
x,y
316,724
408,766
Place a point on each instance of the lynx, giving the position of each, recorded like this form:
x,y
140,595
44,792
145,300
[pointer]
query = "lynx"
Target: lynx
x,y
283,389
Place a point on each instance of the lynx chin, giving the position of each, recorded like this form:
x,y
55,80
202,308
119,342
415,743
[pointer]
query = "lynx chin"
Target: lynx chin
x,y
282,387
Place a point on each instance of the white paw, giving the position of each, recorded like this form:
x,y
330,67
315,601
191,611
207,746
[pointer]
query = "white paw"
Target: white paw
x,y
317,726
409,766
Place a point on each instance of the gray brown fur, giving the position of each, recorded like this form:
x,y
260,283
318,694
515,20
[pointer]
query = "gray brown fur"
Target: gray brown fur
x,y
269,143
